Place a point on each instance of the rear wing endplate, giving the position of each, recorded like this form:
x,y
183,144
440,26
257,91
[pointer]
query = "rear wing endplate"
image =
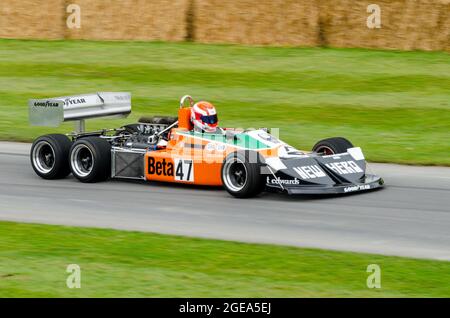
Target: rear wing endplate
x,y
53,111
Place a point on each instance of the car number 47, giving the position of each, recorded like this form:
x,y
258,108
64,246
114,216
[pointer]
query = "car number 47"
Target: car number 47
x,y
184,170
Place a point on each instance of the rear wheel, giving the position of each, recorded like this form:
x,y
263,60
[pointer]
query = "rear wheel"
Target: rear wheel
x,y
241,174
50,156
332,146
90,159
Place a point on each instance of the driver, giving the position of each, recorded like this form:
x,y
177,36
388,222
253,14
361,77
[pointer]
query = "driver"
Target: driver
x,y
204,117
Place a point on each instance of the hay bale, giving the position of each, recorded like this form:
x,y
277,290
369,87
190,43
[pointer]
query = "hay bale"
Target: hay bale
x,y
279,22
25,19
405,24
132,20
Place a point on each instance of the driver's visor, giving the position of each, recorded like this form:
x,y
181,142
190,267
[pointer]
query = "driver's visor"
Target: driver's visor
x,y
211,119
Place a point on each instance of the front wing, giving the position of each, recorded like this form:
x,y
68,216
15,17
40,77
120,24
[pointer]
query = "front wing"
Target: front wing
x,y
371,182
314,174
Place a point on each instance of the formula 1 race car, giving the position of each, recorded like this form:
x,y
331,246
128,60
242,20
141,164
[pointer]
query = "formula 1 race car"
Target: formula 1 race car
x,y
244,162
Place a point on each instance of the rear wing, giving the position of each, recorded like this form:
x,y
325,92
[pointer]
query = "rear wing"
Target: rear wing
x,y
53,111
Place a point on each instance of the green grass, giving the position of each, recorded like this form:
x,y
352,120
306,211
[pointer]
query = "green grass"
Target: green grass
x,y
33,261
396,105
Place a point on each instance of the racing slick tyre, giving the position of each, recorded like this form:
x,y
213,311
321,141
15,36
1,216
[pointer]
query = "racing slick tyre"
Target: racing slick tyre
x,y
49,156
90,159
332,146
241,174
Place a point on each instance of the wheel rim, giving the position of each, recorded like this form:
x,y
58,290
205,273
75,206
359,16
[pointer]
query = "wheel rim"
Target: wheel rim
x,y
235,176
325,151
43,157
82,160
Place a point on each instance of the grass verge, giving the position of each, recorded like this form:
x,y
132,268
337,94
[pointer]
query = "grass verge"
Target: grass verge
x,y
33,261
395,105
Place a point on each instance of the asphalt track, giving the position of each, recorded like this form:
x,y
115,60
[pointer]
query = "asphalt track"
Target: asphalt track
x,y
410,217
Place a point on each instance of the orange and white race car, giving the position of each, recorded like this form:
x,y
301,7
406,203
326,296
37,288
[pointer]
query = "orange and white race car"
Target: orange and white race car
x,y
168,149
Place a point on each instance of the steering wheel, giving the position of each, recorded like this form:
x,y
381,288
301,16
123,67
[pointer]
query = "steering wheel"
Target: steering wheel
x,y
183,100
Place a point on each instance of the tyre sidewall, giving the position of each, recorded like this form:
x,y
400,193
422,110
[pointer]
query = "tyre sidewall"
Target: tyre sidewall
x,y
255,180
101,152
60,145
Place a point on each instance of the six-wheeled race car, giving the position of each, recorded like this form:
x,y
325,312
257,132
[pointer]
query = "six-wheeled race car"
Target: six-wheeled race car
x,y
162,148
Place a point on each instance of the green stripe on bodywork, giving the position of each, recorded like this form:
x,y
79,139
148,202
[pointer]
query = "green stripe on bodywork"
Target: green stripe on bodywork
x,y
240,140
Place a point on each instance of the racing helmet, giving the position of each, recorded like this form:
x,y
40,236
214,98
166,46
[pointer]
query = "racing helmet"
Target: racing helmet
x,y
204,117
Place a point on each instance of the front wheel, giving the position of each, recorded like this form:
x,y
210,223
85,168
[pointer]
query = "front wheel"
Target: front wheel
x,y
241,174
332,146
90,159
